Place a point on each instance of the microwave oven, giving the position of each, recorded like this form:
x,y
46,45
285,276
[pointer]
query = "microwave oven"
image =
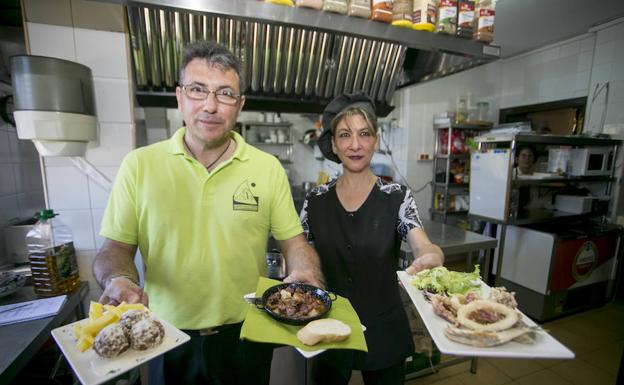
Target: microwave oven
x,y
591,161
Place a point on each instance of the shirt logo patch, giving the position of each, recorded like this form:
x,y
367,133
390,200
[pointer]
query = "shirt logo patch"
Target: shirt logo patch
x,y
243,199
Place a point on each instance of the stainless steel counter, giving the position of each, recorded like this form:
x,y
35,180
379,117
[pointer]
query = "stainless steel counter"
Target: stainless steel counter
x,y
19,342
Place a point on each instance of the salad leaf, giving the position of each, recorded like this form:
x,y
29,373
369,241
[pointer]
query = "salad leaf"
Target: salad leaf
x,y
440,280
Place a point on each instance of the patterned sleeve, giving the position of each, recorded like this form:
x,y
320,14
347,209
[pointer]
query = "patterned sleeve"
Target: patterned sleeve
x,y
408,215
304,221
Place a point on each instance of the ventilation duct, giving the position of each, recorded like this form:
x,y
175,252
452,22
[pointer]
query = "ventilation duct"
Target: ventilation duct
x,y
296,59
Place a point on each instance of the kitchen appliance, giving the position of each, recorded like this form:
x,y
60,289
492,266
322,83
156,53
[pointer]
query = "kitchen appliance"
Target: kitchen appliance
x,y
590,161
558,159
15,239
561,271
276,265
54,104
574,204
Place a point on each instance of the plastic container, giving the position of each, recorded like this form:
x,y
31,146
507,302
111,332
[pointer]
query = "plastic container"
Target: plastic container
x,y
447,17
484,21
359,8
465,18
52,256
402,13
424,15
288,3
315,4
382,11
336,6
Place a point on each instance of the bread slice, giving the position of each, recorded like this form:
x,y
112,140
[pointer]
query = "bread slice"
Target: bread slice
x,y
324,330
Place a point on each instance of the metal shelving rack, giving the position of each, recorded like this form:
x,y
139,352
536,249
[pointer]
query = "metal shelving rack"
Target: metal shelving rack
x,y
447,186
255,132
521,217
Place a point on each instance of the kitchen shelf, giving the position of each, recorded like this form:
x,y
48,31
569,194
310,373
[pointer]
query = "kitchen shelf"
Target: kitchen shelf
x,y
253,131
452,185
463,126
455,212
547,139
444,162
567,180
268,124
328,22
270,144
453,156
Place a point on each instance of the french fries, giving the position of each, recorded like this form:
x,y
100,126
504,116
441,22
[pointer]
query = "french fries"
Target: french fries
x,y
100,316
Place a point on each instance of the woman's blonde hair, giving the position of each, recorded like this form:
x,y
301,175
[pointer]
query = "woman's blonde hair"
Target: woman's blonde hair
x,y
371,120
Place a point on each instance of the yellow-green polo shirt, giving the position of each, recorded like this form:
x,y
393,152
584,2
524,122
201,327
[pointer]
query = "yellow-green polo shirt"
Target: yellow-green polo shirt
x,y
202,235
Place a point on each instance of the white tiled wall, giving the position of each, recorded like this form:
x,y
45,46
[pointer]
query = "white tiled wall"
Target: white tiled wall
x,y
21,188
78,199
416,106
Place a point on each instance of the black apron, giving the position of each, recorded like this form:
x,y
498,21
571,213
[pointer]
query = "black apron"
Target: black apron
x,y
359,257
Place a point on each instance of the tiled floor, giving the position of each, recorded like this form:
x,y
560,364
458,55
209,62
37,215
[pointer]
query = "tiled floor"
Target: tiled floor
x,y
596,337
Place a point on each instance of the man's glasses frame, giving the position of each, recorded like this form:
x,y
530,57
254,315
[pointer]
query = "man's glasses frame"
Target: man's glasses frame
x,y
223,96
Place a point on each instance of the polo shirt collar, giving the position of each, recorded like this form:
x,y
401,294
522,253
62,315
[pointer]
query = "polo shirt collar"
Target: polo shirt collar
x,y
176,144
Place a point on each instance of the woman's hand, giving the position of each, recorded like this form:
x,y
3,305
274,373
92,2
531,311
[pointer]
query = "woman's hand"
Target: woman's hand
x,y
427,254
425,261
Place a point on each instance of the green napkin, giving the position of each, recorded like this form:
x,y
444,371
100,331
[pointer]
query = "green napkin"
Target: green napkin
x,y
261,327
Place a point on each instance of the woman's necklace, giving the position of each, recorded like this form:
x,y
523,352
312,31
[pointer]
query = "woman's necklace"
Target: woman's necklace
x,y
215,161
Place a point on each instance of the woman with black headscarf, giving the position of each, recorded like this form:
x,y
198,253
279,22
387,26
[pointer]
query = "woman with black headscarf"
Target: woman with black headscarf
x,y
357,223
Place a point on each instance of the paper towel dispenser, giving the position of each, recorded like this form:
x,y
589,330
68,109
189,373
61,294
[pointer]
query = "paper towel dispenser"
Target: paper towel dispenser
x,y
54,104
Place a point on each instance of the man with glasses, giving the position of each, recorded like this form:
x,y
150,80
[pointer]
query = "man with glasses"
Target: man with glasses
x,y
199,207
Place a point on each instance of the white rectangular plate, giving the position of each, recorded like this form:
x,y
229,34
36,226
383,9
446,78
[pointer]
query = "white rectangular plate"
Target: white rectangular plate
x,y
92,369
545,346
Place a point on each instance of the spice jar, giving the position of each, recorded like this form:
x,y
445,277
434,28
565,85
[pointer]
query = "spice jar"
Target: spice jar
x,y
424,15
402,13
447,17
465,18
484,21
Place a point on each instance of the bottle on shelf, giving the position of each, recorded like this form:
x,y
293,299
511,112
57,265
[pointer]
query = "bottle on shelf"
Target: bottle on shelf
x,y
447,17
484,20
465,17
424,15
52,256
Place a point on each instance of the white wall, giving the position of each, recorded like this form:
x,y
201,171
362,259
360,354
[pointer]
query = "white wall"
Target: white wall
x,y
419,103
75,196
21,187
568,69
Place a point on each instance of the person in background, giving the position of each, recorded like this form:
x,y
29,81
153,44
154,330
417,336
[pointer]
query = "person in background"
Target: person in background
x,y
199,207
357,223
530,197
525,160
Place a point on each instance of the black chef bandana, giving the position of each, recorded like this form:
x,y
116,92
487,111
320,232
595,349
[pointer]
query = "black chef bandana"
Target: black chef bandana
x,y
335,107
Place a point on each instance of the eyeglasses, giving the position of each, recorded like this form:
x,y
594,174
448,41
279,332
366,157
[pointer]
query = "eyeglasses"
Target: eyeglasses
x,y
198,92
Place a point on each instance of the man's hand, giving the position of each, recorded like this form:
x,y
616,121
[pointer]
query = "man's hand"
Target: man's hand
x,y
301,276
302,262
123,289
425,261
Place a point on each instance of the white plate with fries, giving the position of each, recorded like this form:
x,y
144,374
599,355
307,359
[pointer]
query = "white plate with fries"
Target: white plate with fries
x,y
92,369
544,346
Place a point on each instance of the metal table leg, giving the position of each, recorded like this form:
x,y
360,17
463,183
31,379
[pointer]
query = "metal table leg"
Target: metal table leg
x,y
473,365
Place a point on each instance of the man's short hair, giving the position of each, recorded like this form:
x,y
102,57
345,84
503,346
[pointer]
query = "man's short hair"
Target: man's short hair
x,y
215,55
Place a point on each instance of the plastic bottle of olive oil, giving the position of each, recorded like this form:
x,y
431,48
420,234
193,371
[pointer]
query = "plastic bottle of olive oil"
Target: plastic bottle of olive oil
x,y
52,256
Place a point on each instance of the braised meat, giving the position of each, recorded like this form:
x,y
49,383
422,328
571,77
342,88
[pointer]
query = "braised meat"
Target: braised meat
x,y
295,303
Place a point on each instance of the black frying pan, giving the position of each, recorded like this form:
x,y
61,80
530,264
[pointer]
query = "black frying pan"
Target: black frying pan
x,y
324,296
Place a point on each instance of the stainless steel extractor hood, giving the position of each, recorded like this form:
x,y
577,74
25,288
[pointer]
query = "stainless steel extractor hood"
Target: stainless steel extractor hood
x,y
296,59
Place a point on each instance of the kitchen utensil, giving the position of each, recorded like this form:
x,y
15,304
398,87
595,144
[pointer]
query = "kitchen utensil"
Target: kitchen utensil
x,y
324,296
276,265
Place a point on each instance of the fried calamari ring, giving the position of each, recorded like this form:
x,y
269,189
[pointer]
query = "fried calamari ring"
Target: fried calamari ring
x,y
510,317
